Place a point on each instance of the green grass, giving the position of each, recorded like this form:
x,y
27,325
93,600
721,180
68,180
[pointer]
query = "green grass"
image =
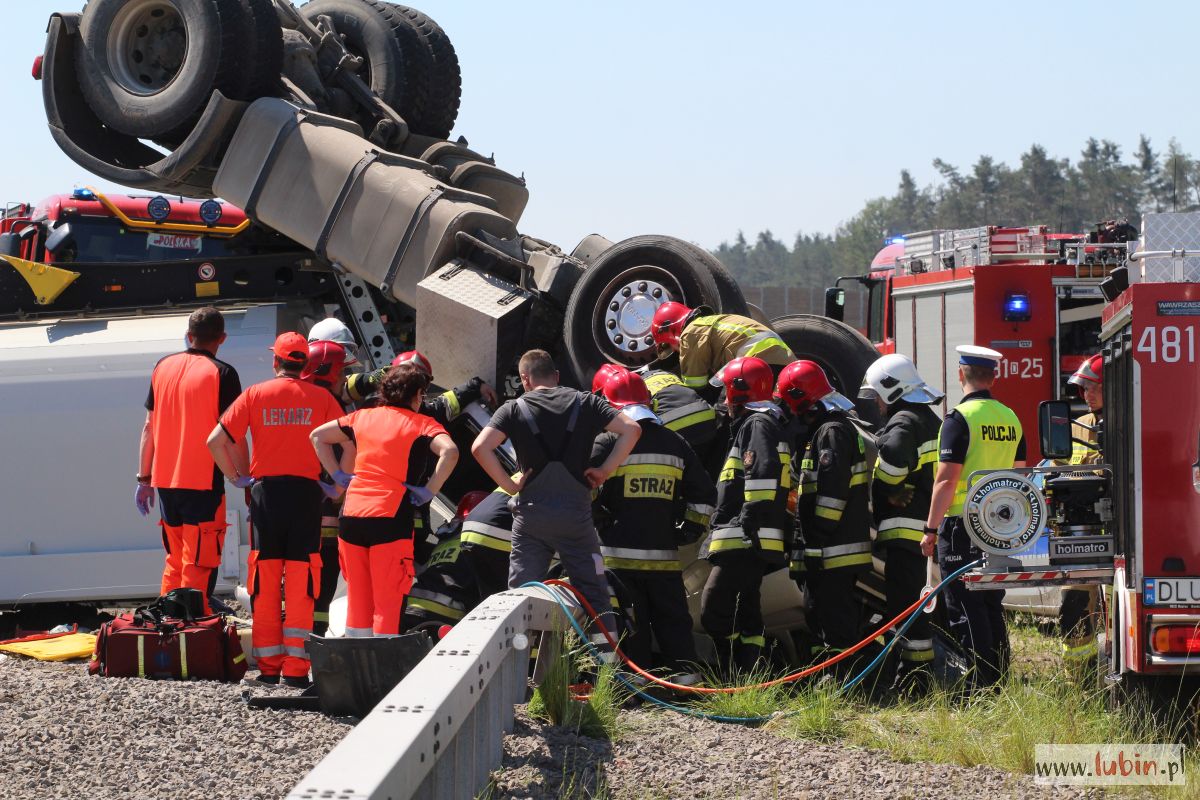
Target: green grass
x,y
598,718
1038,703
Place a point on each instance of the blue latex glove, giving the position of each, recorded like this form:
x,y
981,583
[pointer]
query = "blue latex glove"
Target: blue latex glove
x,y
143,498
418,495
343,479
243,481
331,490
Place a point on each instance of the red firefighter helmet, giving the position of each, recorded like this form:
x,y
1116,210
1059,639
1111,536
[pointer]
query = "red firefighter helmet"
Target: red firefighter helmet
x,y
626,389
802,384
468,502
669,321
602,375
415,358
326,360
1090,373
747,380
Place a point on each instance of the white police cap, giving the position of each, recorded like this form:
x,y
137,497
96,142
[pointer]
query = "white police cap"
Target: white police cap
x,y
976,356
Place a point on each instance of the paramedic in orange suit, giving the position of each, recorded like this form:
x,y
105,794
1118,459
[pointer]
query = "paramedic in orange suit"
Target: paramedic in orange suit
x,y
188,393
376,528
284,574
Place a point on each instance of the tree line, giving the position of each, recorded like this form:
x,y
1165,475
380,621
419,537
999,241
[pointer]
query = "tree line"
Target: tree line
x,y
1062,194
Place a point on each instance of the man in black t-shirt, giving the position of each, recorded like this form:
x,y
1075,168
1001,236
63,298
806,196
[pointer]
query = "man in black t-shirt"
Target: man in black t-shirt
x,y
552,429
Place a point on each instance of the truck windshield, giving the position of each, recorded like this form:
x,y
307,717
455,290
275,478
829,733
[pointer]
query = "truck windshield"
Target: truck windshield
x,y
102,239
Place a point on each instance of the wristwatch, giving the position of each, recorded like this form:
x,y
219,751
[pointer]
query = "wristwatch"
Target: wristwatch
x,y
143,479
931,531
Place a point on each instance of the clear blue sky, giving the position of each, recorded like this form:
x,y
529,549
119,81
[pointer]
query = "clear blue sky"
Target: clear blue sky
x,y
698,119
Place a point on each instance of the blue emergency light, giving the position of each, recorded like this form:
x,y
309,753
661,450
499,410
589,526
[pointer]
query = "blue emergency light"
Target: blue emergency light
x,y
1016,307
894,240
83,194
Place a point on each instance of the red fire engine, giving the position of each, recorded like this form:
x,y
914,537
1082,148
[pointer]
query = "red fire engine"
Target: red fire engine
x,y
1046,301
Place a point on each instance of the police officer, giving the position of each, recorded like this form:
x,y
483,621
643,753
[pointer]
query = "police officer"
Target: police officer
x,y
326,362
750,525
981,433
552,429
900,491
188,393
832,511
1077,613
285,559
659,498
445,589
706,341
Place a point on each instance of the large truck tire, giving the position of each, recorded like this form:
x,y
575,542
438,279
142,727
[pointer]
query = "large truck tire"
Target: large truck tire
x,y
842,352
400,64
611,307
732,299
148,67
437,98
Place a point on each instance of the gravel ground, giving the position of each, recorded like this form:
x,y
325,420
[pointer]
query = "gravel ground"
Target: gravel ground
x,y
65,734
665,755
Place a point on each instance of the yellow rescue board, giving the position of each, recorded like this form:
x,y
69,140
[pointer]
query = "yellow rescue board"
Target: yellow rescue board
x,y
60,648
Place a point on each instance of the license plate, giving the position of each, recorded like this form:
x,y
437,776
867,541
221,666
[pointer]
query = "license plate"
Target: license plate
x,y
1172,592
172,241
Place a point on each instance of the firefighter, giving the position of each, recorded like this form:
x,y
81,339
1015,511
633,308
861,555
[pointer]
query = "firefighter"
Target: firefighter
x,y
749,526
1077,612
443,408
706,342
332,329
375,530
285,505
832,510
188,393
659,498
900,492
445,589
552,429
981,433
487,540
326,361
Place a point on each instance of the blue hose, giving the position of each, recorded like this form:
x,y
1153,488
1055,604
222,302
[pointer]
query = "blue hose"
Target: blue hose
x,y
691,712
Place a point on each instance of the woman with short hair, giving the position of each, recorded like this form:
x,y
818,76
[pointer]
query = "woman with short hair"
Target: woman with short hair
x,y
375,531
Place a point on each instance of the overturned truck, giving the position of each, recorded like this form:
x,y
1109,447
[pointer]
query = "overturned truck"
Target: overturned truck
x,y
328,124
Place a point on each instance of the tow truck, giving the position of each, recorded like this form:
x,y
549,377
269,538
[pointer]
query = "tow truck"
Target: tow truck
x,y
1048,300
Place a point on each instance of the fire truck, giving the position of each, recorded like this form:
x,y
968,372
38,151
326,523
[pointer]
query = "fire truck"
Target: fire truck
x,y
1046,301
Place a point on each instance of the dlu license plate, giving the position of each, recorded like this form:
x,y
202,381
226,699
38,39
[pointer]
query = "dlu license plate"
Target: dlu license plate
x,y
1172,591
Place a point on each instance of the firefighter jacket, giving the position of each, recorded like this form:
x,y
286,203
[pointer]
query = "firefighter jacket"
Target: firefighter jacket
x,y
445,590
445,407
682,410
709,343
832,509
490,523
1080,453
903,477
752,489
661,484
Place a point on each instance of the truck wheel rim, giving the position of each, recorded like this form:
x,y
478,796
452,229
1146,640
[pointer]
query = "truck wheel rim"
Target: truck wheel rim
x,y
147,45
627,308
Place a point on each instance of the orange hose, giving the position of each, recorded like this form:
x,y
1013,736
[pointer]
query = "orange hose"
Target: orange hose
x,y
795,676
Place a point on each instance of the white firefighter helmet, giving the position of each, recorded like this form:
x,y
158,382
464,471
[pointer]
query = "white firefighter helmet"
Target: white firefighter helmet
x,y
895,377
332,329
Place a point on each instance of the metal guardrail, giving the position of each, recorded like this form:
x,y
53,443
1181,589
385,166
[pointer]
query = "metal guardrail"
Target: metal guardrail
x,y
439,733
